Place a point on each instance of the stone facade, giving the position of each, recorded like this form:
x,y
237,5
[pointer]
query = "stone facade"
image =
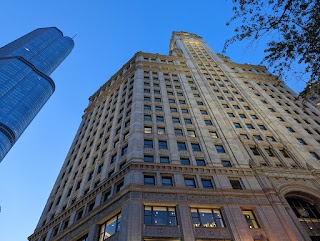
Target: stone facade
x,y
189,146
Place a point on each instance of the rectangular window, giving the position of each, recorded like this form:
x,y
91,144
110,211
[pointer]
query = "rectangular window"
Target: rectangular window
x,y
110,227
163,145
208,218
187,121
208,122
249,126
301,141
148,144
226,163
255,151
173,110
257,137
148,159
206,183
236,184
167,181
178,132
161,130
190,182
147,118
220,149
164,159
182,146
195,147
149,180
160,119
200,162
160,216
185,161
147,130
315,156
237,125
250,218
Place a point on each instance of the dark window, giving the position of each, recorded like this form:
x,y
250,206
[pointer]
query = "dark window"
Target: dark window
x,y
208,122
207,183
195,147
178,132
164,159
237,125
220,149
148,159
185,161
226,163
163,145
167,181
249,126
236,184
182,146
200,162
301,141
149,180
190,182
262,127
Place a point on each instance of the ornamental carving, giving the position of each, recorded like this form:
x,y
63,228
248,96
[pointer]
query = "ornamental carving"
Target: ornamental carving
x,y
222,233
203,199
161,231
159,196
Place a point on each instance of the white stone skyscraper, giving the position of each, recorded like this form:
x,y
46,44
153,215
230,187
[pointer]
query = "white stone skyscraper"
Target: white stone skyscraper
x,y
189,146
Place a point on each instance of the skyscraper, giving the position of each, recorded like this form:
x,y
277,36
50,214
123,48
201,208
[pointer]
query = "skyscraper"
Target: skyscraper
x,y
25,85
189,146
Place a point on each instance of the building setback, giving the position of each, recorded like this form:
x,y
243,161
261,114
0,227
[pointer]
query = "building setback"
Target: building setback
x,y
189,146
25,85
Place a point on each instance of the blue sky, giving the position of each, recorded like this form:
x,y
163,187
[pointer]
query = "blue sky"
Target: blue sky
x,y
108,34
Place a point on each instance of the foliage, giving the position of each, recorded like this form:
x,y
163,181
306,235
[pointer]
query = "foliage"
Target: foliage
x,y
293,31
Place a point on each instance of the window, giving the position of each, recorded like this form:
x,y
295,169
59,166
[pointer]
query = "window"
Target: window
x,y
148,144
124,150
244,136
285,153
315,156
249,126
173,109
271,138
158,108
185,161
270,152
254,117
163,145
236,107
191,133
250,218
167,181
190,182
206,183
182,146
208,218
243,116
149,180
195,147
200,162
147,118
226,163
110,227
220,149
208,122
147,107
231,115
159,216
204,112
184,111
187,121
160,119
178,132
257,137
301,141
161,130
262,127
175,120
164,159
255,151
236,184
290,129
147,129
247,108
148,159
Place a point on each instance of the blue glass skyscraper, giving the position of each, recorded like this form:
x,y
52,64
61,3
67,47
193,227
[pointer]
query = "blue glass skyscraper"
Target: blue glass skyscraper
x,y
25,85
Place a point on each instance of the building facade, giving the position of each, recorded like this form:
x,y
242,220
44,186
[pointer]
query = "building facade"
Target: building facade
x,y
25,85
189,146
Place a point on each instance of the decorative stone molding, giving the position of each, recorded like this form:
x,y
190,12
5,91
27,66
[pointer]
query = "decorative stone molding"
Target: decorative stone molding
x,y
219,233
161,231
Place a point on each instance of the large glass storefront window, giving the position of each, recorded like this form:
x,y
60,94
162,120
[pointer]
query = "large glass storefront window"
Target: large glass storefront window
x,y
110,227
207,217
160,215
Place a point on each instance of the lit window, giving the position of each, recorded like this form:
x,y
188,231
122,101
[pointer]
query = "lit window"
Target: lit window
x,y
160,216
110,227
250,218
147,130
161,130
208,218
191,133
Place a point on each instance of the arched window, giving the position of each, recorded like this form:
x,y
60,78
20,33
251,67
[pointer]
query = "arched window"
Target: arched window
x,y
308,214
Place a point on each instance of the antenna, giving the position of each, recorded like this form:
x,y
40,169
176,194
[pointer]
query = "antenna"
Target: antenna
x,y
74,36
